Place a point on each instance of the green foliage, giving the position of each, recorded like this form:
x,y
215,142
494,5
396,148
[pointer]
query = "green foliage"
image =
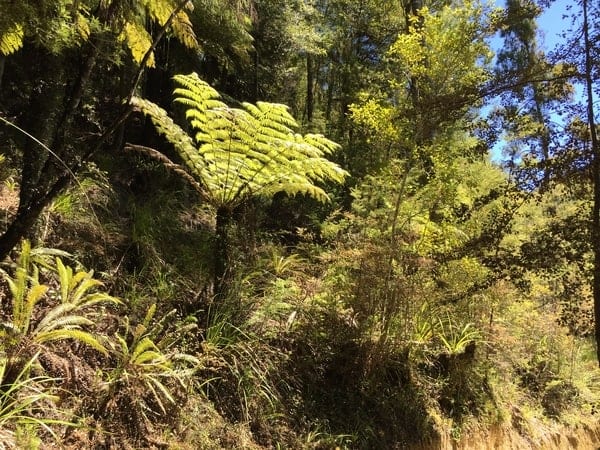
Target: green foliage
x,y
11,40
77,297
60,24
55,24
236,153
24,402
240,365
444,49
148,370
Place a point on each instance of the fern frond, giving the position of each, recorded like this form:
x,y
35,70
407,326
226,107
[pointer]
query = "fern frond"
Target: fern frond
x,y
182,142
138,41
158,10
145,345
184,30
165,392
12,39
68,322
77,335
247,151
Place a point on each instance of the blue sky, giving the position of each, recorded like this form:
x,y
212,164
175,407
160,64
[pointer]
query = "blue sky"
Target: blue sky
x,y
552,23
555,21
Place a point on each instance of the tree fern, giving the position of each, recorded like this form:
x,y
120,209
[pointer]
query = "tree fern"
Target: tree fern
x,y
57,24
236,153
139,42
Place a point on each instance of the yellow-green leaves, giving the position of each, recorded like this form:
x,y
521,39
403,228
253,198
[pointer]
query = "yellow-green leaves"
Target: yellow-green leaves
x,y
139,42
445,49
145,362
11,40
236,153
68,318
60,24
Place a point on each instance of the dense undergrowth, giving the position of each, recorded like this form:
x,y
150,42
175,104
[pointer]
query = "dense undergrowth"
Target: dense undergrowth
x,y
337,338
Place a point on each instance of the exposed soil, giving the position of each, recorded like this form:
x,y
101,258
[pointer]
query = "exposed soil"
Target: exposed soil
x,y
543,437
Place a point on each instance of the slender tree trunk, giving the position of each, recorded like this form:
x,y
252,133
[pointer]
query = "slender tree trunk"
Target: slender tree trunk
x,y
310,87
221,256
596,176
2,61
256,75
330,87
544,137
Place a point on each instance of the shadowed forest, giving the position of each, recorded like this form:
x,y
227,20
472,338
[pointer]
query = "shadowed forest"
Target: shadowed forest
x,y
303,224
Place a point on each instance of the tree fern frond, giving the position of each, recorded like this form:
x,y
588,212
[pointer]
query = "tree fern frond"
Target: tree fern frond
x,y
320,142
247,151
292,188
12,39
159,10
138,41
173,132
184,30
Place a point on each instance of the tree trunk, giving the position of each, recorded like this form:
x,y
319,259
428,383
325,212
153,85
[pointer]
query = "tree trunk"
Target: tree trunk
x,y
256,76
2,61
310,86
26,217
221,255
42,120
595,174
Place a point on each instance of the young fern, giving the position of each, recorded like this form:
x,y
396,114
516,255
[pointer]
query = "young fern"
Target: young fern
x,y
143,360
77,293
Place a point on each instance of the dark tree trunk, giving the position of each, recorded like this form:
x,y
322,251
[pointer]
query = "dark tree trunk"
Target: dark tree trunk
x,y
221,256
596,176
2,61
26,217
41,121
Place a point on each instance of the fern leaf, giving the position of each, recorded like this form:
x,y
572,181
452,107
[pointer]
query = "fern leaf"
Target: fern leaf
x,y
248,151
165,392
159,10
144,345
64,278
173,132
138,41
12,39
151,358
184,30
78,335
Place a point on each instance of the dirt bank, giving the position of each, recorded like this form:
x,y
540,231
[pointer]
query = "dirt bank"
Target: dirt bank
x,y
538,436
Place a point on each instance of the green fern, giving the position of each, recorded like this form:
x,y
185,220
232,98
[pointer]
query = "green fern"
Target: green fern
x,y
77,294
144,360
11,40
139,42
23,397
236,153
